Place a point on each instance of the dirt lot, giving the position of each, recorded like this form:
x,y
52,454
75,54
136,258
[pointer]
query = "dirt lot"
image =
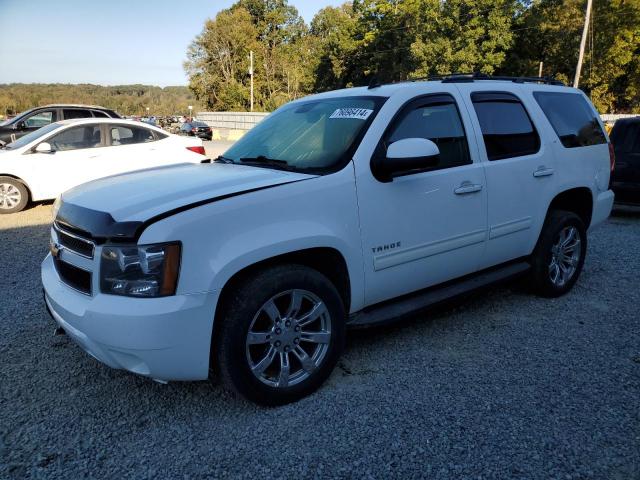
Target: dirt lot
x,y
502,385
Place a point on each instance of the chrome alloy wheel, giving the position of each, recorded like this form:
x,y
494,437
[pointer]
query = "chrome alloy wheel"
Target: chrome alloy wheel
x,y
288,338
565,255
10,196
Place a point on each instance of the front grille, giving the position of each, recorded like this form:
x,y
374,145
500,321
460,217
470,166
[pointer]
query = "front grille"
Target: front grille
x,y
73,276
74,243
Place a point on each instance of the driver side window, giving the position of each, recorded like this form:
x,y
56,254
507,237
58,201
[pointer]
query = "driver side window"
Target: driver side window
x,y
87,136
436,119
40,119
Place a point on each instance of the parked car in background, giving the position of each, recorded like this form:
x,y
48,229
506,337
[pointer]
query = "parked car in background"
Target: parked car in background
x,y
61,155
346,208
625,181
26,122
196,129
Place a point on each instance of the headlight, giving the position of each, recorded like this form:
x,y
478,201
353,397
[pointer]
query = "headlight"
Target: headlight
x,y
140,270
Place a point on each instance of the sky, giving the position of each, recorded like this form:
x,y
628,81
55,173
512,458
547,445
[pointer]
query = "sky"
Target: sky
x,y
107,43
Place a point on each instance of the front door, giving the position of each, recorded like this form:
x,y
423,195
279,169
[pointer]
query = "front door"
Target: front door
x,y
33,122
75,159
426,227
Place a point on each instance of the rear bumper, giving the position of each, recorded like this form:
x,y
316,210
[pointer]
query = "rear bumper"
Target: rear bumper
x,y
601,208
165,338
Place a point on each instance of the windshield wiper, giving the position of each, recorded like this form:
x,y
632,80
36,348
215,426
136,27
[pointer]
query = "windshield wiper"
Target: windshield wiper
x,y
262,161
221,159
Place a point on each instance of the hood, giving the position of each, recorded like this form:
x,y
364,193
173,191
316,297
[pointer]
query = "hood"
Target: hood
x,y
118,205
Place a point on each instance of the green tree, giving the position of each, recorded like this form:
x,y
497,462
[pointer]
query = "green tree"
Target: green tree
x,y
550,30
333,29
217,62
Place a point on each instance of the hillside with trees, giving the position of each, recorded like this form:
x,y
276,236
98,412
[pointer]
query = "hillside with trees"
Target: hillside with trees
x,y
125,99
404,39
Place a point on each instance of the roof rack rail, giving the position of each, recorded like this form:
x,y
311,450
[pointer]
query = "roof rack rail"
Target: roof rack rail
x,y
472,77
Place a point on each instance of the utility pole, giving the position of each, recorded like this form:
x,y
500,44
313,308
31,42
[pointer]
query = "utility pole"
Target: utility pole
x,y
583,42
540,69
251,75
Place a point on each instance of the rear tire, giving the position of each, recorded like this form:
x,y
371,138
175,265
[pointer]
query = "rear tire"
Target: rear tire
x,y
14,196
280,334
559,255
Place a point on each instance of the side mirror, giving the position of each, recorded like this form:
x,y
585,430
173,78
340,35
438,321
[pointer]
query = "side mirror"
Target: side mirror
x,y
44,147
20,126
408,155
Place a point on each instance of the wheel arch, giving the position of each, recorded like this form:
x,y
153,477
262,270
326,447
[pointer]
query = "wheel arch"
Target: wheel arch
x,y
15,177
327,260
578,200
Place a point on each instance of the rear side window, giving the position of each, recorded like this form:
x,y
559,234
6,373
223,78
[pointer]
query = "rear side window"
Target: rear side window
x,y
99,114
128,135
437,119
572,118
506,127
76,113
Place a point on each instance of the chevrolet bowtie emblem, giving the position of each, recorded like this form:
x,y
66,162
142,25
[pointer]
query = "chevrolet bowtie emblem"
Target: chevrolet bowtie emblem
x,y
55,249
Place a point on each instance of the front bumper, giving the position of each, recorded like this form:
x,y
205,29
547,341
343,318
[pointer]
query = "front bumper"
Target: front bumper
x,y
165,338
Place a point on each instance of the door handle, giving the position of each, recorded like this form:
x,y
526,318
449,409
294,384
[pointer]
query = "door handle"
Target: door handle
x,y
543,172
467,187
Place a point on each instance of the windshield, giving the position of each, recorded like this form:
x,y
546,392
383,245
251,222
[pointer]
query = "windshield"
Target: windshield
x,y
30,137
317,136
15,118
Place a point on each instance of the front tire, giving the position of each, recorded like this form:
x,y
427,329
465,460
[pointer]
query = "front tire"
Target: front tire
x,y
558,258
14,196
280,334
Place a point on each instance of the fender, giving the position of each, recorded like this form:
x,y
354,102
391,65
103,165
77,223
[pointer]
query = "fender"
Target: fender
x,y
221,238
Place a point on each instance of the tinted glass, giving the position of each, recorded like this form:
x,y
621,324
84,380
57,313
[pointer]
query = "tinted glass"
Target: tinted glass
x,y
573,120
625,137
314,136
439,123
86,136
506,128
128,135
40,119
99,114
76,113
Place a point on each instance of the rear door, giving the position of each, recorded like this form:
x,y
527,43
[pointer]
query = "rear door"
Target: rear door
x,y
133,148
520,170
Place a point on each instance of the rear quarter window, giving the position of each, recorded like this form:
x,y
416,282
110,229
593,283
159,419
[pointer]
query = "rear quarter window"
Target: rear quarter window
x,y
571,117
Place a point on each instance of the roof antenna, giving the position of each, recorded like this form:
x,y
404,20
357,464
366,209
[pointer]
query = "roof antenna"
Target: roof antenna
x,y
374,83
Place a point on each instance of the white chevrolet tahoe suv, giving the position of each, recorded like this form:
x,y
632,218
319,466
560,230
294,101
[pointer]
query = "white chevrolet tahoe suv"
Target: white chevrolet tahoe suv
x,y
350,207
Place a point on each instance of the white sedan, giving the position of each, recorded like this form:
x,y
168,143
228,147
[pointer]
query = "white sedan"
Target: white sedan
x,y
61,155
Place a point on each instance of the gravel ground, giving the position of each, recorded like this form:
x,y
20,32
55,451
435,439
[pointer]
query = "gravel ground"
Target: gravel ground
x,y
502,385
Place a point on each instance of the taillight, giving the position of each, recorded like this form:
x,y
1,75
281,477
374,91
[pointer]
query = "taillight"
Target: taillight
x,y
199,149
194,129
612,157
